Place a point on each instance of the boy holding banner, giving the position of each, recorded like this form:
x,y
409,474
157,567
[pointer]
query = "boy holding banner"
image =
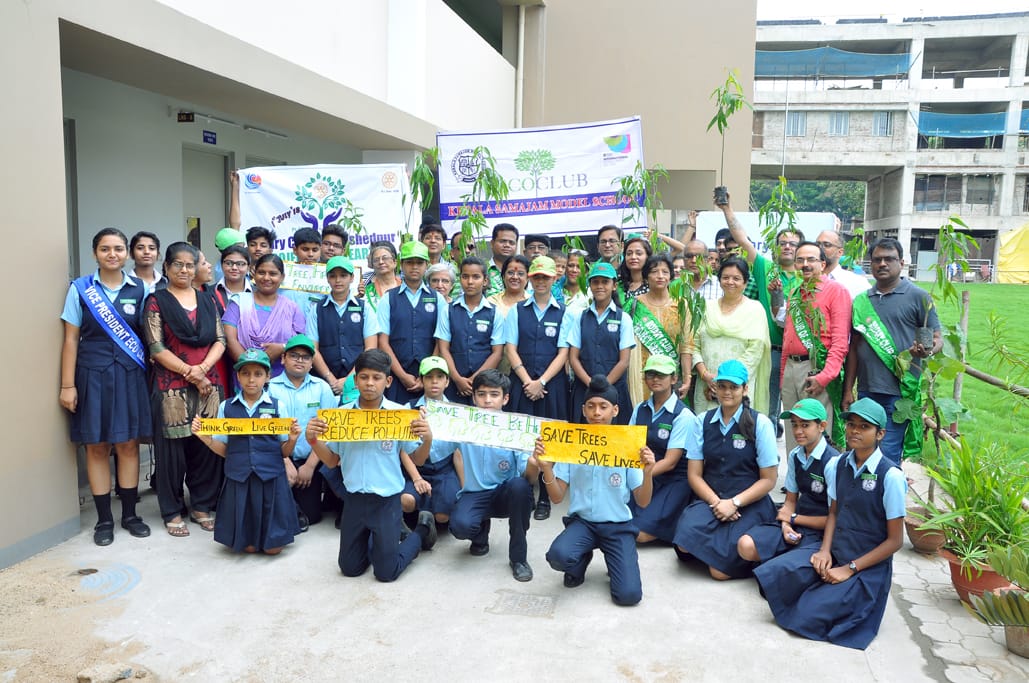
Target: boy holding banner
x,y
373,481
598,510
496,484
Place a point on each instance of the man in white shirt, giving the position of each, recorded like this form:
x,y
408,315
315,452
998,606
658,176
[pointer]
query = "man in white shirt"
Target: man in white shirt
x,y
832,243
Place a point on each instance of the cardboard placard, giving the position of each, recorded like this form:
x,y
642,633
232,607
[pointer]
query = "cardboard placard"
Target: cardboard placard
x,y
601,445
245,426
351,424
468,424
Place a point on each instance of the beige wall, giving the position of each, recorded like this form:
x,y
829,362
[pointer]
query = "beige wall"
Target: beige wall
x,y
589,60
38,488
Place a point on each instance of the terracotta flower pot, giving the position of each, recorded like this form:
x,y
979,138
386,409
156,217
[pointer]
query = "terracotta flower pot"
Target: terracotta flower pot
x,y
983,579
926,541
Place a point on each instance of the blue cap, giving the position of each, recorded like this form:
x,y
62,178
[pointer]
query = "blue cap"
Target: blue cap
x,y
732,371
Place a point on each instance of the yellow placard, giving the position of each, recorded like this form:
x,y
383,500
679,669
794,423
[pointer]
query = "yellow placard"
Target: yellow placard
x,y
601,445
245,426
350,424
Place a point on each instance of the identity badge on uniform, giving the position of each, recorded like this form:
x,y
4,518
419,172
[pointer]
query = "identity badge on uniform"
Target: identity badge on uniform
x,y
868,481
430,308
663,431
130,309
615,479
481,325
550,330
817,484
355,317
503,465
612,327
738,441
385,446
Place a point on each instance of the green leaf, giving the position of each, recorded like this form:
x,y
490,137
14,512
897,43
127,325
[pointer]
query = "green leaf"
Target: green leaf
x,y
905,410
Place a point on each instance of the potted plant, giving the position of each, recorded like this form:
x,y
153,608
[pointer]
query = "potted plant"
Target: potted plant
x,y
729,99
780,208
981,509
953,247
1008,607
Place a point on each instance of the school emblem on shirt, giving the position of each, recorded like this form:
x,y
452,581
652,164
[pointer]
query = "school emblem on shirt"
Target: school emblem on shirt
x,y
868,482
130,309
817,486
612,327
663,433
503,465
430,308
738,442
550,331
481,325
355,317
385,446
615,479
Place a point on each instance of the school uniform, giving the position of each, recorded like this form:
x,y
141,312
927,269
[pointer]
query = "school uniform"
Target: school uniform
x,y
472,334
805,476
409,318
303,403
494,486
439,471
667,427
539,335
599,517
340,331
113,401
847,613
369,532
600,337
732,464
255,507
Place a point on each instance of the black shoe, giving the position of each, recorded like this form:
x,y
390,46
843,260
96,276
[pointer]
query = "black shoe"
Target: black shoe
x,y
542,510
405,531
135,526
479,549
103,533
428,520
339,519
683,556
303,522
573,582
521,571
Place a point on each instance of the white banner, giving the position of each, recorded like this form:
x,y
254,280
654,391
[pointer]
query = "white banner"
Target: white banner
x,y
560,177
287,198
810,223
468,424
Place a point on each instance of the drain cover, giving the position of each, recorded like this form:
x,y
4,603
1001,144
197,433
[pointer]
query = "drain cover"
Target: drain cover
x,y
521,604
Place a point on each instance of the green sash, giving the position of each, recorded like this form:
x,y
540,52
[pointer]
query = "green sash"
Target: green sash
x,y
650,331
866,321
815,347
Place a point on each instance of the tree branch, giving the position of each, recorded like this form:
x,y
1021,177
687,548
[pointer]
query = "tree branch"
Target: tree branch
x,y
1015,389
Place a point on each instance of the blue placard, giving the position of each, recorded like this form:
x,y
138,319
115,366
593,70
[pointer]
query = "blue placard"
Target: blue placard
x,y
210,137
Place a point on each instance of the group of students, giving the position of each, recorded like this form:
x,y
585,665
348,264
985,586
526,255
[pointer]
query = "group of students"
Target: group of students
x,y
702,484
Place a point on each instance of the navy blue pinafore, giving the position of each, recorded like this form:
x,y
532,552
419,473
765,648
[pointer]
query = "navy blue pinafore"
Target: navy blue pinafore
x,y
598,355
672,491
537,347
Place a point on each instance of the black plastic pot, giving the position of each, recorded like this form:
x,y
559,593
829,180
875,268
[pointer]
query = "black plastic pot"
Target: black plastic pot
x,y
924,337
721,195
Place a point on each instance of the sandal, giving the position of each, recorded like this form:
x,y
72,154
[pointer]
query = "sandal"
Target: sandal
x,y
204,519
177,529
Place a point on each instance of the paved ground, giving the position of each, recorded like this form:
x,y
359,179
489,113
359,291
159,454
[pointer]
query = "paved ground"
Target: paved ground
x,y
186,609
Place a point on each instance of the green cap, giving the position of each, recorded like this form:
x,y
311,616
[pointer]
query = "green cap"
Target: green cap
x,y
543,265
430,363
806,409
414,249
350,392
226,237
339,262
301,340
253,356
732,371
660,364
868,410
602,269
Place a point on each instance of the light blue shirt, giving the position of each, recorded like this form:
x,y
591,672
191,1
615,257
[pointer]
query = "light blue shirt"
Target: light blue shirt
x,y
371,466
265,400
895,488
626,339
301,403
305,301
412,295
72,312
511,322
248,286
439,450
443,322
680,425
599,494
487,467
799,454
764,437
370,326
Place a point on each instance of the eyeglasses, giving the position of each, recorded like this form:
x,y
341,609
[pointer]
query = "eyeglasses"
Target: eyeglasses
x,y
382,259
301,357
828,245
516,273
234,264
809,259
607,242
791,243
179,265
884,259
330,243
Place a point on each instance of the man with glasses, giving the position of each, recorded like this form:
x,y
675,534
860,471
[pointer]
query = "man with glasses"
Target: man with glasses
x,y
695,267
815,339
503,244
832,244
609,245
884,321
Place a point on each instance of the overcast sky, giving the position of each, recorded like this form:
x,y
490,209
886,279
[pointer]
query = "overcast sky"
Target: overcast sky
x,y
828,11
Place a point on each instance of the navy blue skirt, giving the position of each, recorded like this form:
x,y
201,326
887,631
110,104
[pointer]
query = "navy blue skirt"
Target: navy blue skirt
x,y
659,519
847,614
256,513
554,405
445,486
113,405
714,543
770,543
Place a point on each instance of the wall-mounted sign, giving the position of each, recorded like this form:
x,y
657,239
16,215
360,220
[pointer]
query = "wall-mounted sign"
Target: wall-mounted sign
x,y
186,117
210,137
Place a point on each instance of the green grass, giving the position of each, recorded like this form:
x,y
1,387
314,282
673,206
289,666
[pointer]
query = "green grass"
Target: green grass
x,y
996,416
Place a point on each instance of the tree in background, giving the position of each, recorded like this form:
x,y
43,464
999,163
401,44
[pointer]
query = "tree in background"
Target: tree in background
x,y
844,198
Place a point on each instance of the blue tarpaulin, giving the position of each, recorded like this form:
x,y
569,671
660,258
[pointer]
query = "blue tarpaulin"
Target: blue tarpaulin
x,y
1023,124
961,125
828,62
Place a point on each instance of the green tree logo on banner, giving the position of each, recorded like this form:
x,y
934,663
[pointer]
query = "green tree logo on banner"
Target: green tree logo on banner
x,y
322,195
535,162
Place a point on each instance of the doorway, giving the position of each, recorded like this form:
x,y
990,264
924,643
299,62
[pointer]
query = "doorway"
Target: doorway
x,y
204,197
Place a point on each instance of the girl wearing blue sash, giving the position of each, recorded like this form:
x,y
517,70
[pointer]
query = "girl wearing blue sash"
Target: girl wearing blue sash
x,y
733,463
838,594
103,380
667,421
599,342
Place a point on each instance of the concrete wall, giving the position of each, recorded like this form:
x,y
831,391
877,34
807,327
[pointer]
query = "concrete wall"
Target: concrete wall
x,y
817,138
129,157
38,499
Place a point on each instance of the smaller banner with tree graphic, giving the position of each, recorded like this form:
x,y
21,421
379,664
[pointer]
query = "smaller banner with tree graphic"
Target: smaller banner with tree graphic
x,y
560,178
287,198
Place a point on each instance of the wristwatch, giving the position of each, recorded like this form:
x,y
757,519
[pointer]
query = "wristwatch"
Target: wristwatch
x,y
736,502
793,518
852,567
543,382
